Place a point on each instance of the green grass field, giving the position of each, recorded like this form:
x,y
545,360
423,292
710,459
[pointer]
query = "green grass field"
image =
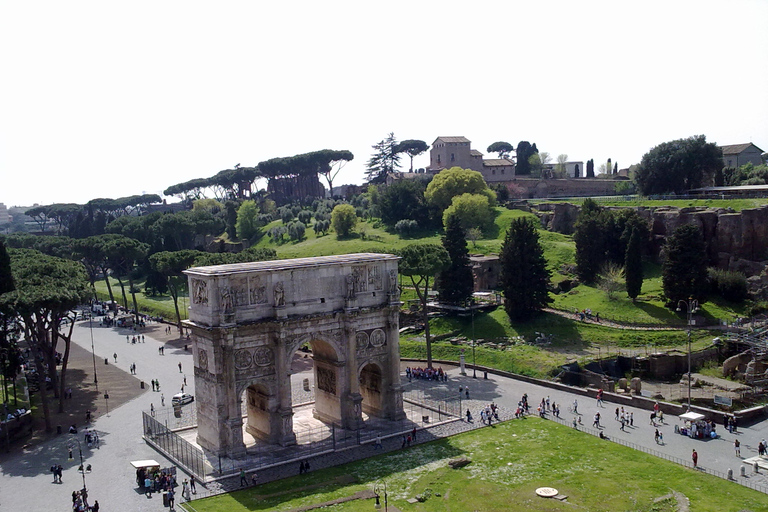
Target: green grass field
x,y
509,462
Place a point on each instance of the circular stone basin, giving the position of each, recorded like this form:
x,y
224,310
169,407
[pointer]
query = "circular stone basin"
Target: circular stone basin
x,y
546,492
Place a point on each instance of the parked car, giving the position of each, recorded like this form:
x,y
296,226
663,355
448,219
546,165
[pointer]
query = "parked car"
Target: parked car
x,y
182,398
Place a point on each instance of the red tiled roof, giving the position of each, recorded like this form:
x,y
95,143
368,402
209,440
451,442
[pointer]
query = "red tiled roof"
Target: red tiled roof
x,y
497,162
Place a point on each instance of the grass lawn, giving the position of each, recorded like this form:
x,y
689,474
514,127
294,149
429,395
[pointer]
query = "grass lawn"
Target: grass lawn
x,y
509,462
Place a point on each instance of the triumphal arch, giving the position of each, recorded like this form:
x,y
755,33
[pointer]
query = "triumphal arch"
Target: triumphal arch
x,y
247,320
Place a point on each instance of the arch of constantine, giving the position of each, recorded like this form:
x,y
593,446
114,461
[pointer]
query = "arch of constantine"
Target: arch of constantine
x,y
247,320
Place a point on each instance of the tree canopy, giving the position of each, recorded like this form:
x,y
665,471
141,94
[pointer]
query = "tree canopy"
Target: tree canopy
x,y
455,181
678,166
502,148
403,200
412,148
471,211
524,153
421,262
384,160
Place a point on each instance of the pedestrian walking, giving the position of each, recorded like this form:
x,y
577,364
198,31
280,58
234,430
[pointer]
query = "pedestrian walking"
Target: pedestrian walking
x,y
88,416
152,409
631,419
623,422
179,367
656,436
243,481
153,384
192,484
377,443
466,392
254,478
695,458
162,402
617,414
413,434
737,447
170,498
115,356
185,380
575,407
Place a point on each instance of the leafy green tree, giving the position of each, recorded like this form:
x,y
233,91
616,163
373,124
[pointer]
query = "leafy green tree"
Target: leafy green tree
x,y
247,225
678,166
412,148
421,262
385,159
453,182
524,273
48,289
456,283
471,210
402,200
172,265
343,219
560,168
124,254
684,265
502,148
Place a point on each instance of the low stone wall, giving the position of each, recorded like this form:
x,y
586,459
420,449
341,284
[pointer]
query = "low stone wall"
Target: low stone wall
x,y
17,427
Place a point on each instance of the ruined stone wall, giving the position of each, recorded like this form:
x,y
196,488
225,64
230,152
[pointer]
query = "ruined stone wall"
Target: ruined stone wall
x,y
734,240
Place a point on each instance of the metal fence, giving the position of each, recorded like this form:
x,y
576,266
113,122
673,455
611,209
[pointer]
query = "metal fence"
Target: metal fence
x,y
181,451
161,428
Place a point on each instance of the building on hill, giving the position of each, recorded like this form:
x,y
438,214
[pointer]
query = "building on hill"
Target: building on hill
x,y
450,152
5,218
736,155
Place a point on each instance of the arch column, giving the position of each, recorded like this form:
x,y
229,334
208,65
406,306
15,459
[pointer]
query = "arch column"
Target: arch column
x,y
281,416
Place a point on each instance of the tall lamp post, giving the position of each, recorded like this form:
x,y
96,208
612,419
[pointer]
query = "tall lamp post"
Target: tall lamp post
x,y
83,469
691,307
378,488
93,352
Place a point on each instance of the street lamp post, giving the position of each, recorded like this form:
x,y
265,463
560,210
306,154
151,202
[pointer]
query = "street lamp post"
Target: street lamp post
x,y
93,351
378,488
82,469
692,306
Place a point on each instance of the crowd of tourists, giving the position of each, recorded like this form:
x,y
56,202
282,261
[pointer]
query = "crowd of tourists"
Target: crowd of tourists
x,y
426,374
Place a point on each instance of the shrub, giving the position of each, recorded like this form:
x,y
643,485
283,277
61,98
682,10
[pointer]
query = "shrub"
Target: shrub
x,y
286,214
343,219
277,233
728,284
611,279
296,230
322,226
304,216
406,227
265,218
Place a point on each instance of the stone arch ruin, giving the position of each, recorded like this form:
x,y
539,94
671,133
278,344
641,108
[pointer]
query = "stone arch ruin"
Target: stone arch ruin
x,y
247,320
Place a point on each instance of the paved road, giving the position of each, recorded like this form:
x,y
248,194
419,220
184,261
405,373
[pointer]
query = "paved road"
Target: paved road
x,y
26,483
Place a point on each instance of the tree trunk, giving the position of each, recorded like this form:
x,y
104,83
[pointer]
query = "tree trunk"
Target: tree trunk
x,y
122,289
67,344
133,296
33,334
174,291
109,286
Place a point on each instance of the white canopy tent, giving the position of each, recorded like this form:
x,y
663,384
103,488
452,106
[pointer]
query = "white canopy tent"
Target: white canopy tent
x,y
691,416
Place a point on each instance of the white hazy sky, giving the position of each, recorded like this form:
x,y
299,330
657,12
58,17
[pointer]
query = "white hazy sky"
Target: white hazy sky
x,y
108,98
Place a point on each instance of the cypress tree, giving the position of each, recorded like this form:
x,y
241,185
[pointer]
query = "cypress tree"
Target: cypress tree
x,y
684,266
524,273
633,265
6,278
589,236
456,283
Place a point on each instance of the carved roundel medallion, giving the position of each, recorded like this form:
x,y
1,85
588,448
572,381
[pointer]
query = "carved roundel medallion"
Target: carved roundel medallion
x,y
243,359
263,356
378,337
202,359
361,339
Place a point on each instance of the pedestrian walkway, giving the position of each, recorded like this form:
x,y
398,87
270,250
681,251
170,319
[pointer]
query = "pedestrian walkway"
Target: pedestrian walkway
x,y
27,484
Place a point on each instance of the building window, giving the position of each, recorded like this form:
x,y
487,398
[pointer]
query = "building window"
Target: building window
x,y
438,159
502,171
453,157
493,171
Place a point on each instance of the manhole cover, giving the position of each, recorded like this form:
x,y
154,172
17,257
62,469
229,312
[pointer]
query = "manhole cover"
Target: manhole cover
x,y
546,492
